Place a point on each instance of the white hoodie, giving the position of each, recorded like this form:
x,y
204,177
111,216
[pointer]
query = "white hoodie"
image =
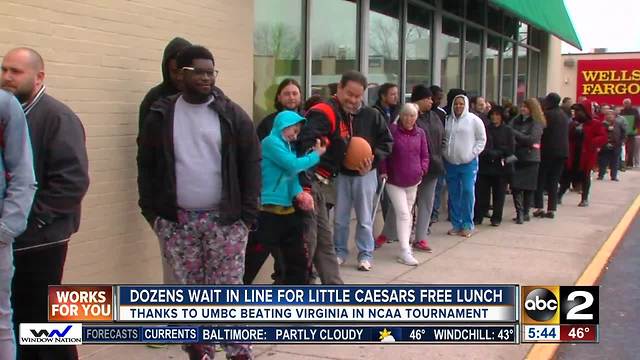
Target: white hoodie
x,y
465,136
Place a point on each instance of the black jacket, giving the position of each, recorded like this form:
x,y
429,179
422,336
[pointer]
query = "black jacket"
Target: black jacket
x,y
528,134
615,135
500,145
165,88
555,137
432,126
62,172
366,123
241,175
264,128
388,118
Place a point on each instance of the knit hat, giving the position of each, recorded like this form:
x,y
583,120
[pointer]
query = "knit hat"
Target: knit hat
x,y
420,92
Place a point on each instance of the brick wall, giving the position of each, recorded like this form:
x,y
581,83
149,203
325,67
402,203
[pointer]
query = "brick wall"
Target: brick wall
x,y
101,57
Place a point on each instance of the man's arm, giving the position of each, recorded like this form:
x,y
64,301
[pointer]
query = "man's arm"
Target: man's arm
x,y
149,141
17,158
66,170
249,172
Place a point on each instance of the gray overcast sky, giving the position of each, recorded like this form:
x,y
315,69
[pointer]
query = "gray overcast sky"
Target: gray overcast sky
x,y
611,24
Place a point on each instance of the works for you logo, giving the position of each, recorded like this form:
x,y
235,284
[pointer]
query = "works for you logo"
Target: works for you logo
x,y
50,334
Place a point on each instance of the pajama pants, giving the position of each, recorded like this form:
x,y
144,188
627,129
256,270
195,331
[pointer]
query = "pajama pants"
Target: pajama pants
x,y
201,250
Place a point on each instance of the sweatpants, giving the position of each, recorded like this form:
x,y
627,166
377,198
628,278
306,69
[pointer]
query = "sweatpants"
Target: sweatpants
x,y
402,199
461,181
425,206
35,270
317,235
355,192
201,250
281,235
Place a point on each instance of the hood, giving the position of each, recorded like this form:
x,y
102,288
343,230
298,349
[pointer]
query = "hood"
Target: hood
x,y
170,52
451,95
284,119
588,108
466,106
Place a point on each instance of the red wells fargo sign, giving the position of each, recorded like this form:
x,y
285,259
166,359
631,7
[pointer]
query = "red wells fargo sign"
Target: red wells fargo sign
x,y
609,81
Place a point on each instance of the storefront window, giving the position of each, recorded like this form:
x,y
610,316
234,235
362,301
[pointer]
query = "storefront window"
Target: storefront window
x,y
418,46
534,71
472,64
384,47
507,72
454,6
476,9
523,33
523,70
333,43
492,59
450,52
277,50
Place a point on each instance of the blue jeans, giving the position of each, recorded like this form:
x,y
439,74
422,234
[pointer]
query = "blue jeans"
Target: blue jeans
x,y
357,192
461,181
7,340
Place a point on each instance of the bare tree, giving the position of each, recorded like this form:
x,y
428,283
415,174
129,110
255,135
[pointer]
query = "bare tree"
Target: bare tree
x,y
278,40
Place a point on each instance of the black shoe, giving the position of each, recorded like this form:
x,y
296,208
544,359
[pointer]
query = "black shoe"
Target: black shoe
x,y
584,203
526,217
616,179
477,221
519,218
538,213
495,223
550,215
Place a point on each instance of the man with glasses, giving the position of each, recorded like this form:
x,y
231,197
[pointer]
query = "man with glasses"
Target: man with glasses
x,y
199,182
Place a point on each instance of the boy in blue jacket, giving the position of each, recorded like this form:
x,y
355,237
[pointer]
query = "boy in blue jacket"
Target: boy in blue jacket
x,y
280,227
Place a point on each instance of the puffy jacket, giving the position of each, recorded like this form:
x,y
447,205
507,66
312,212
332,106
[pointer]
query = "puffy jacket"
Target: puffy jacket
x,y
409,159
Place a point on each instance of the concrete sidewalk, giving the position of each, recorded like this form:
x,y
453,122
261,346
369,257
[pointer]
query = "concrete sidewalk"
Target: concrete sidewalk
x,y
543,251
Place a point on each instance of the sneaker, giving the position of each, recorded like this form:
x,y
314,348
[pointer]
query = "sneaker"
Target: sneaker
x,y
340,261
454,232
584,203
380,240
550,215
364,265
615,179
407,259
467,233
422,245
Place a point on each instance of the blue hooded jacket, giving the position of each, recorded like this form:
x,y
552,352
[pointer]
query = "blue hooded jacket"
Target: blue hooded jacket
x,y
281,165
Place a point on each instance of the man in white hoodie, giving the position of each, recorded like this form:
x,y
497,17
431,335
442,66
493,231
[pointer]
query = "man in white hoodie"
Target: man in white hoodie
x,y
465,138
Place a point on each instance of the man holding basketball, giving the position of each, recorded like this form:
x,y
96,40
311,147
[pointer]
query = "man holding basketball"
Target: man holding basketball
x,y
336,121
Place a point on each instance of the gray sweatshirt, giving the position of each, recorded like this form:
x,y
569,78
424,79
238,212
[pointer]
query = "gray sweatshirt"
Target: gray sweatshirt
x,y
17,180
465,136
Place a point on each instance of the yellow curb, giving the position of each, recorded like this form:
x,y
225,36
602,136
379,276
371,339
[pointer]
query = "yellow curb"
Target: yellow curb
x,y
592,273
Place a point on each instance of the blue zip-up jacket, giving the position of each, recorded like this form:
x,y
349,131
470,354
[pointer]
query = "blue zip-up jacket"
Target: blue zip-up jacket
x,y
17,178
281,165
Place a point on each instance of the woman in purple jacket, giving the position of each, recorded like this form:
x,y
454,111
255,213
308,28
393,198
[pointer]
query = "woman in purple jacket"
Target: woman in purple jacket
x,y
403,169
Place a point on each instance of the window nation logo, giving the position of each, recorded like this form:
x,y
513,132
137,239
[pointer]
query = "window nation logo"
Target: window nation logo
x,y
50,334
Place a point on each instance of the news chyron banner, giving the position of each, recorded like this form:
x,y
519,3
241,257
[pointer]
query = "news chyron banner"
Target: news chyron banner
x,y
317,304
279,314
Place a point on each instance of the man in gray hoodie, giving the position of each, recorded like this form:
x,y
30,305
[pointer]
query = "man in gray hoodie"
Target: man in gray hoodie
x,y
18,190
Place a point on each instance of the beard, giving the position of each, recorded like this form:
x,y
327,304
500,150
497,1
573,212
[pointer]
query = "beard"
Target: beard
x,y
22,93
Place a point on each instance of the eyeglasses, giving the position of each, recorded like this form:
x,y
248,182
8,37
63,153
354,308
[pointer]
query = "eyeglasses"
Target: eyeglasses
x,y
202,72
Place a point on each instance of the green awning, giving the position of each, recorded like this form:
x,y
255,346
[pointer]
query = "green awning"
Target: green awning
x,y
548,15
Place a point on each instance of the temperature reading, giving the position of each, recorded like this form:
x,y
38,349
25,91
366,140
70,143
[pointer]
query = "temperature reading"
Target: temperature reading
x,y
578,332
416,334
505,334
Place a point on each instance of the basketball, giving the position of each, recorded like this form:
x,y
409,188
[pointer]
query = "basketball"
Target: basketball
x,y
357,151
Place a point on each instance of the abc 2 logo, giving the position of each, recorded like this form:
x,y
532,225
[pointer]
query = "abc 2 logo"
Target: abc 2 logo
x,y
554,305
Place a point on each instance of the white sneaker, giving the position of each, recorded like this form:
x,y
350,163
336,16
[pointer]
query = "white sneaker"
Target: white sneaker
x,y
341,261
364,265
408,259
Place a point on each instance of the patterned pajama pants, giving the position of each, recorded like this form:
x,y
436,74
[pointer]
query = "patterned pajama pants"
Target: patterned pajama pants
x,y
200,250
